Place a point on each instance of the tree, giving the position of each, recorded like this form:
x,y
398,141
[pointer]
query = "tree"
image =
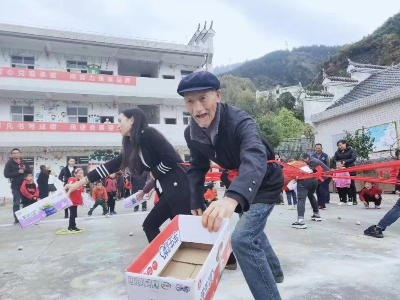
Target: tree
x,y
289,125
298,110
308,131
269,129
361,141
267,104
246,100
286,100
232,87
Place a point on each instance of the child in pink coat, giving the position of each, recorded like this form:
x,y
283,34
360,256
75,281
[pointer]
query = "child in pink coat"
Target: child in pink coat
x,y
342,185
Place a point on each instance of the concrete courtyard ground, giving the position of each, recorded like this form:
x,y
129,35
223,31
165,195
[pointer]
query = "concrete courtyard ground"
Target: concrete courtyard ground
x,y
328,260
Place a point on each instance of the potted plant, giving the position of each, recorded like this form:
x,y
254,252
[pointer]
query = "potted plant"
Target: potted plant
x,y
49,209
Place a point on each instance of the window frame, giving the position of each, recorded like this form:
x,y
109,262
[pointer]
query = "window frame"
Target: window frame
x,y
78,115
23,114
23,64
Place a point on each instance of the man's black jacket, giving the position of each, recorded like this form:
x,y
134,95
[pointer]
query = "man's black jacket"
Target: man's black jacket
x,y
11,171
238,145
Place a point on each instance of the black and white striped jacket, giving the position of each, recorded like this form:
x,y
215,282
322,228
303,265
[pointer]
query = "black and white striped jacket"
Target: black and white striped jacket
x,y
158,157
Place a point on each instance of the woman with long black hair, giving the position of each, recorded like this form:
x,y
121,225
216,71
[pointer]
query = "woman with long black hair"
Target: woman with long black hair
x,y
146,149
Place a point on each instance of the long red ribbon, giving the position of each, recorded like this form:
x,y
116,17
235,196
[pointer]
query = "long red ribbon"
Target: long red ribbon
x,y
293,172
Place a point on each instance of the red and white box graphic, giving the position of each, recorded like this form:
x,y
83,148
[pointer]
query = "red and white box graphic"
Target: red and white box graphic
x,y
184,262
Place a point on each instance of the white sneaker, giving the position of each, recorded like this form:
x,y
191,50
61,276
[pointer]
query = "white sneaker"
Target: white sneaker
x,y
88,217
349,203
340,203
107,215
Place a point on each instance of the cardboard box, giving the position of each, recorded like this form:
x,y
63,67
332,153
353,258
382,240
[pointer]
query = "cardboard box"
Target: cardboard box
x,y
43,208
184,262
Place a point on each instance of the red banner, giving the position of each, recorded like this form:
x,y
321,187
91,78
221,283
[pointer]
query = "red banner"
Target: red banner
x,y
66,76
57,127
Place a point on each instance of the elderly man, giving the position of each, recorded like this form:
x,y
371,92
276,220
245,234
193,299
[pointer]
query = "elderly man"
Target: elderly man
x,y
229,137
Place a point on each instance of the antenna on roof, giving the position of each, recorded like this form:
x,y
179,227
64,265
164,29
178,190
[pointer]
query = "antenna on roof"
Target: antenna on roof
x,y
205,24
212,22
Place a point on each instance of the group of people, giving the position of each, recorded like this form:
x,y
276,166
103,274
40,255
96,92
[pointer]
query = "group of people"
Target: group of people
x,y
229,137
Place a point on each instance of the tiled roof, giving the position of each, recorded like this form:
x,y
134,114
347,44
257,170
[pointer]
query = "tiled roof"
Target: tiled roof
x,y
318,94
367,66
342,79
376,83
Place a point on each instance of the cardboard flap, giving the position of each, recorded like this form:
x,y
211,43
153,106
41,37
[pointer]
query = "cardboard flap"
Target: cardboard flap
x,y
191,256
178,270
190,224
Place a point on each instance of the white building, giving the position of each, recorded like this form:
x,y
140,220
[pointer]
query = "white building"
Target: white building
x,y
337,87
58,88
297,92
373,104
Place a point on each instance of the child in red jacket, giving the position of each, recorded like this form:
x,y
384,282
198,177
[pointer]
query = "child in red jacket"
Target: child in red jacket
x,y
371,193
76,198
29,191
112,190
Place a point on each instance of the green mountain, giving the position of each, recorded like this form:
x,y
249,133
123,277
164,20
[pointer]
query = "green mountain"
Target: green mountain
x,y
382,47
226,68
285,68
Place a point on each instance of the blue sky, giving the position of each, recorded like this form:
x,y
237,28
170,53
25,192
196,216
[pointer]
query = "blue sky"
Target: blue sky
x,y
245,29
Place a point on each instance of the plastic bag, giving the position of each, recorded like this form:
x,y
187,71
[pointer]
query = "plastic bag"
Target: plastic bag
x,y
87,200
131,201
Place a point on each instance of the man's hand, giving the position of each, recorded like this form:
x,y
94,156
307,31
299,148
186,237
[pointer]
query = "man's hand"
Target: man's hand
x,y
376,196
140,195
398,193
21,170
197,212
217,211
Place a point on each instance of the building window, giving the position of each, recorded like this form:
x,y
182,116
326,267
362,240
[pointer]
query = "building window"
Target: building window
x,y
170,121
152,113
24,62
106,119
187,158
106,72
22,113
76,66
185,73
77,114
168,76
186,118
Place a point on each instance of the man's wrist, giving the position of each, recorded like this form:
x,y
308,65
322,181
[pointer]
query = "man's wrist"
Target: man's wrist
x,y
232,202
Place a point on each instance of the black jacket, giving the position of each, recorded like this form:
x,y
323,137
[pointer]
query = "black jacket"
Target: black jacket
x,y
138,182
161,160
348,156
314,163
65,174
11,171
43,184
238,145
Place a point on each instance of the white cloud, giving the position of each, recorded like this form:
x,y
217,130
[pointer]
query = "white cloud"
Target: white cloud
x,y
245,29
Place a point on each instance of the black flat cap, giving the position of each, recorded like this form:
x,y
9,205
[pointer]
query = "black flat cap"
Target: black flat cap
x,y
198,81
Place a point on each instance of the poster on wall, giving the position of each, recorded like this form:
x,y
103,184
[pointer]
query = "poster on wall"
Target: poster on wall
x,y
385,136
38,117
